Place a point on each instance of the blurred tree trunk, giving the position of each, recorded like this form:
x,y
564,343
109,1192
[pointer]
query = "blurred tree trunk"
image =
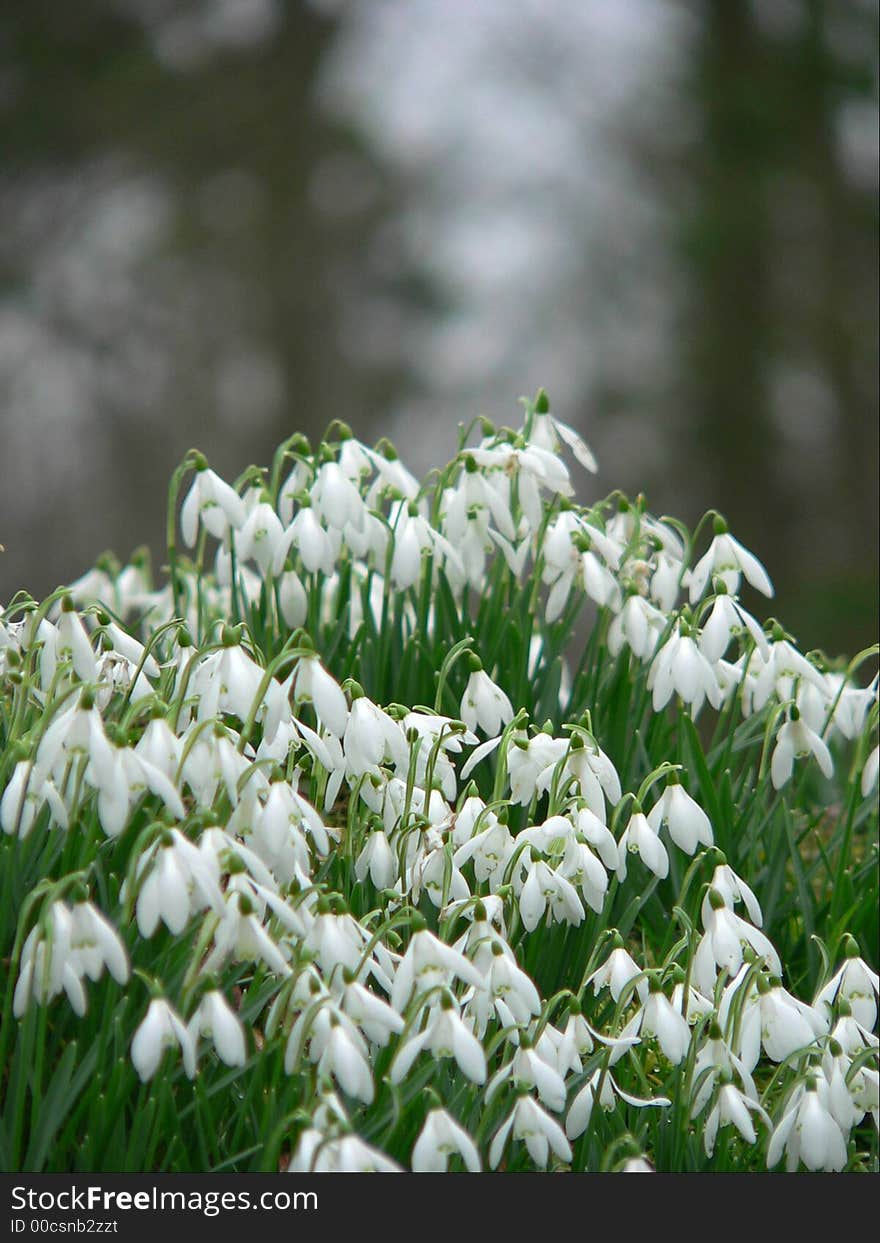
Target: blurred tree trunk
x,y
781,247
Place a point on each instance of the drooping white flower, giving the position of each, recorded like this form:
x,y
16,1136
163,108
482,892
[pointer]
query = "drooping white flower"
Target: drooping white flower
x,y
345,1154
343,1058
808,1131
28,791
726,934
46,966
429,963
161,1029
639,837
727,558
618,970
378,859
857,983
602,1087
679,667
220,1024
549,433
315,545
484,705
439,1138
313,684
795,740
638,624
732,1107
661,1019
95,944
444,1035
545,887
686,821
213,502
541,1133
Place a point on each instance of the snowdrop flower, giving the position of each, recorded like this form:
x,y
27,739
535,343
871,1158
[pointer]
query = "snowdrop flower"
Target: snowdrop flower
x,y
545,887
660,1019
639,837
808,1131
857,983
541,1133
774,1019
160,746
179,882
292,599
335,941
618,970
161,1029
378,859
550,433
529,1069
214,1019
95,944
849,1034
73,642
313,684
530,765
439,1138
795,740
414,536
725,619
638,624
490,851
78,730
346,1154
598,836
370,735
601,1087
716,1061
484,705
429,963
435,872
474,502
726,934
375,1017
533,468
212,502
777,674
681,668
226,681
120,777
314,544
263,539
665,580
444,1035
47,966
733,889
727,558
583,869
343,1059
241,936
25,796
732,1107
594,773
686,821
336,499
506,981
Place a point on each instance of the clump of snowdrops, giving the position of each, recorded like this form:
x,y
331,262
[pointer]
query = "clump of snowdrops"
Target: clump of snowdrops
x,y
433,825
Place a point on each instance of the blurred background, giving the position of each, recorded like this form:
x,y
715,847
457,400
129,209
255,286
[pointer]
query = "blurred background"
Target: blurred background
x,y
222,221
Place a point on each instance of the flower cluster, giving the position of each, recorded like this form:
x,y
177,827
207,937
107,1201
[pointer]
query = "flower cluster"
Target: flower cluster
x,y
345,807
